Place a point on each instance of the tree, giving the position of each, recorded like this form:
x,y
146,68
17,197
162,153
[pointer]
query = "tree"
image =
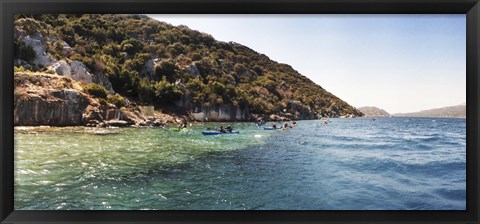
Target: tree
x,y
165,69
23,51
116,100
166,92
132,46
146,91
123,80
96,90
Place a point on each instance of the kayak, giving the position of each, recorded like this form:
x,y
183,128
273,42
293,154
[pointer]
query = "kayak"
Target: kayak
x,y
270,128
219,133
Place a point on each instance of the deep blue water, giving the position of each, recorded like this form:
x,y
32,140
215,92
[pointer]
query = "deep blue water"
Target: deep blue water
x,y
350,164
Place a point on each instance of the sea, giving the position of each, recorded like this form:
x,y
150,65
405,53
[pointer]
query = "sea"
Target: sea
x,y
366,163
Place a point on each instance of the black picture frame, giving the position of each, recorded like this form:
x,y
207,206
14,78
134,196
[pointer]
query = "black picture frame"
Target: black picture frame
x,y
8,8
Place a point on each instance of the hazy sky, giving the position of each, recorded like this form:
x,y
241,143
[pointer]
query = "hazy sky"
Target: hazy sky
x,y
400,63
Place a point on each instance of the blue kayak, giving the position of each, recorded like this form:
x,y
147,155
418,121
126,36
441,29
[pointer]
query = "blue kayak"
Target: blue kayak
x,y
270,128
219,133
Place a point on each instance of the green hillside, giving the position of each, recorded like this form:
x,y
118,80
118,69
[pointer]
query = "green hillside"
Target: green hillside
x,y
174,68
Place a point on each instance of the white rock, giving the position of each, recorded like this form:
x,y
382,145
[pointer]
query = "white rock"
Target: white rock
x,y
80,72
61,68
65,46
192,70
149,68
37,43
102,79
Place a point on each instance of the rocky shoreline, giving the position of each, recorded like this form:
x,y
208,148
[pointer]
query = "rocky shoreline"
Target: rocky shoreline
x,y
54,100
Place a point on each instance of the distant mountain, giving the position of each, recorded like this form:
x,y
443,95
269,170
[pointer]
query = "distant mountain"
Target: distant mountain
x,y
373,111
452,111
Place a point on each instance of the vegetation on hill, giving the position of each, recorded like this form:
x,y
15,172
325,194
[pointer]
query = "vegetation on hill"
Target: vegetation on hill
x,y
151,62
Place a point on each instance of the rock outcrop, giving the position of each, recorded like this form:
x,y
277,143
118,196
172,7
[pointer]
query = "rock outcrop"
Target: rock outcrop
x,y
102,79
61,68
75,69
80,72
37,43
54,100
149,68
192,70
45,104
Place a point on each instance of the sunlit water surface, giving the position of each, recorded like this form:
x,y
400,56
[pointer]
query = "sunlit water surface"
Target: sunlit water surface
x,y
386,164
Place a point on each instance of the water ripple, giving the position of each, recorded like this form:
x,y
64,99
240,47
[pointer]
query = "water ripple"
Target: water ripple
x,y
349,164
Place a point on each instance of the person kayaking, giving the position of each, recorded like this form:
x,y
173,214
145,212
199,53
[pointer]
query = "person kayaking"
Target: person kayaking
x,y
285,126
274,125
221,129
260,122
325,122
294,123
183,125
229,128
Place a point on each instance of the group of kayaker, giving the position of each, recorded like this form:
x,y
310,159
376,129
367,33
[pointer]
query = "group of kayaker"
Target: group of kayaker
x,y
285,126
229,128
261,122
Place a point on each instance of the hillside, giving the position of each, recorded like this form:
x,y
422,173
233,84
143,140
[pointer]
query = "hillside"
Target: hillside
x,y
373,111
141,61
459,111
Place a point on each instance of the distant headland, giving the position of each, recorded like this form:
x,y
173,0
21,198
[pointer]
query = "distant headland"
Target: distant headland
x,y
458,111
374,112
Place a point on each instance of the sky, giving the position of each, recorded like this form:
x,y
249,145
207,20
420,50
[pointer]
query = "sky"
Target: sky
x,y
400,63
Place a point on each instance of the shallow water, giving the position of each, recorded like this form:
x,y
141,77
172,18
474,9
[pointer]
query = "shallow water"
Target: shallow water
x,y
386,164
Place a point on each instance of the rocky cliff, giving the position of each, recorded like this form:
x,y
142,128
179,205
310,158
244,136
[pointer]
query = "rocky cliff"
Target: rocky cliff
x,y
49,99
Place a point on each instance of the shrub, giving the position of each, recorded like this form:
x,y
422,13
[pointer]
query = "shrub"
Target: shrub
x,y
96,90
146,91
132,46
23,51
166,92
165,69
123,80
138,62
116,100
20,69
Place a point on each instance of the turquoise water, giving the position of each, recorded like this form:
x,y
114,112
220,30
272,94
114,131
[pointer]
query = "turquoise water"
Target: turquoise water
x,y
389,163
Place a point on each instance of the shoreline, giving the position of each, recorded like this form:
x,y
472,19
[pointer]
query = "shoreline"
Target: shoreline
x,y
174,125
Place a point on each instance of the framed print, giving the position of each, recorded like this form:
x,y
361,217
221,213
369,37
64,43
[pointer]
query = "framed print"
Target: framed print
x,y
239,111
